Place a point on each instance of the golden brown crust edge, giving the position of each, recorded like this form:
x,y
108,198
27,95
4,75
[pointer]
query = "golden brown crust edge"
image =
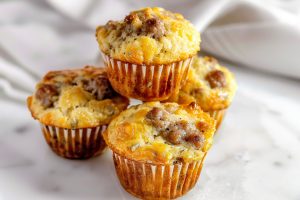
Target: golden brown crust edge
x,y
210,99
120,102
29,100
140,48
126,152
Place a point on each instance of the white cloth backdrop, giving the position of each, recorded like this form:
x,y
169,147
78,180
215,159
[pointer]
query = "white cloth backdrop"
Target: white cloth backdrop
x,y
37,36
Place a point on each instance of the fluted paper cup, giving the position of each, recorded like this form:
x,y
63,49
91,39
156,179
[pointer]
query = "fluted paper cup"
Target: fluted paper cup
x,y
218,115
146,82
81,143
153,181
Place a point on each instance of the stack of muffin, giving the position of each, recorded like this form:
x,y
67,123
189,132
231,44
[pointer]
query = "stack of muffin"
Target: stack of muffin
x,y
158,146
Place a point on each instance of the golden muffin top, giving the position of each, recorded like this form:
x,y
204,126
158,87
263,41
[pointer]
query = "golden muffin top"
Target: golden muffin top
x,y
162,133
210,85
149,36
80,98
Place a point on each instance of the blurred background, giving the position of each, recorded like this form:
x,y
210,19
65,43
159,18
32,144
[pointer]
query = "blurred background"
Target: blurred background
x,y
37,36
257,151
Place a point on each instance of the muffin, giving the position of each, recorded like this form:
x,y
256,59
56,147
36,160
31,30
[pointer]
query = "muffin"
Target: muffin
x,y
158,149
209,84
74,107
148,53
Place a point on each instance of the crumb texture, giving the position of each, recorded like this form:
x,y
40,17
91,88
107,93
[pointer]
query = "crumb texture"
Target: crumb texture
x,y
161,133
209,84
149,36
76,99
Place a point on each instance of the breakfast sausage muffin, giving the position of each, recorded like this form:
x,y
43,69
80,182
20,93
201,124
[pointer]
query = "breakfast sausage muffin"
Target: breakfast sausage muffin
x,y
210,85
148,53
74,107
158,149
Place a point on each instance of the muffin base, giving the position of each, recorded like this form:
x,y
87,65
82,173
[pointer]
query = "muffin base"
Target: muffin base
x,y
218,115
146,82
153,181
82,143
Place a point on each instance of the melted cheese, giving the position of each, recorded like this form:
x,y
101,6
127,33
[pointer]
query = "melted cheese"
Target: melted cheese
x,y
75,107
209,99
180,42
130,135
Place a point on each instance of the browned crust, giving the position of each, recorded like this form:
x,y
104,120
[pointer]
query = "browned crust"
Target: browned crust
x,y
74,72
190,108
211,98
153,63
29,100
29,103
146,27
89,70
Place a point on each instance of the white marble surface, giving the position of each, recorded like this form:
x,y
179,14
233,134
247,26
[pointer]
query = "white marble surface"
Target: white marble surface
x,y
256,153
255,156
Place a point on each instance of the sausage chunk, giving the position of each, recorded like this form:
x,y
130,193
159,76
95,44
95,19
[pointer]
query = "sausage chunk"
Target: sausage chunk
x,y
216,79
155,27
185,132
202,126
46,94
196,139
157,118
100,87
129,18
176,132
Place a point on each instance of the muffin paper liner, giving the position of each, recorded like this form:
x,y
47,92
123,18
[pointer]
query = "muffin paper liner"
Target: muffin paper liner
x,y
218,115
156,181
79,143
146,82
